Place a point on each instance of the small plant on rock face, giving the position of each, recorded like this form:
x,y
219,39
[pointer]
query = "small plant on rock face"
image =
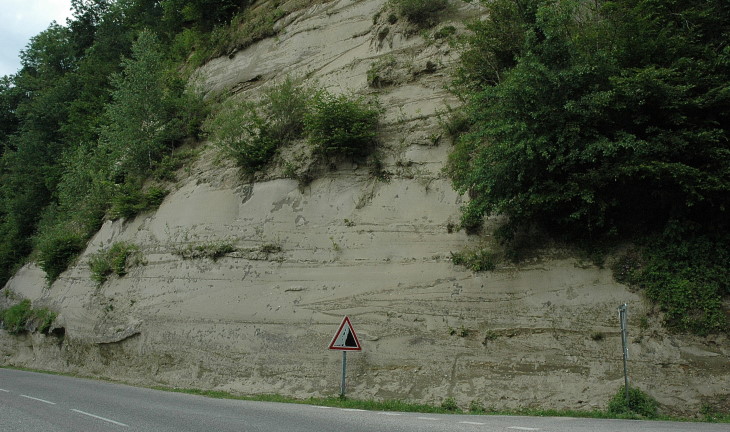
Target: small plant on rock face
x,y
489,336
270,248
445,32
480,260
381,72
15,318
115,260
243,134
22,317
43,319
213,250
597,336
423,13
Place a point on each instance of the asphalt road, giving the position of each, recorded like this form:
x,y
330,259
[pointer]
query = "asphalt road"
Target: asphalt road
x,y
38,402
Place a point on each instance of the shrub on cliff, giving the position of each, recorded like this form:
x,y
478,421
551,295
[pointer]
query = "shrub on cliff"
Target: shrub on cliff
x,y
15,317
251,132
420,12
114,260
341,125
22,317
57,249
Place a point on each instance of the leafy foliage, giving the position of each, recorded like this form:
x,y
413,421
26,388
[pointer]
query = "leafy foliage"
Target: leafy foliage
x,y
420,12
585,135
686,274
342,126
22,317
130,200
97,105
604,120
57,250
638,403
252,132
146,117
115,260
15,318
42,319
478,260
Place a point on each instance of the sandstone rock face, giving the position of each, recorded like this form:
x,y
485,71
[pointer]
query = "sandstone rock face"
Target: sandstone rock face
x,y
258,320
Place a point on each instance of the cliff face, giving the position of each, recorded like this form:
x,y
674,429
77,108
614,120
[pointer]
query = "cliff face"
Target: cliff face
x,y
258,320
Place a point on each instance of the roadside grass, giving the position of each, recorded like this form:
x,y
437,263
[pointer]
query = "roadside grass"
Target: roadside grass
x,y
397,405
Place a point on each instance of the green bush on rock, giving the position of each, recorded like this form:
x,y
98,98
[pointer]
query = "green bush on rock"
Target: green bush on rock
x,y
115,260
342,126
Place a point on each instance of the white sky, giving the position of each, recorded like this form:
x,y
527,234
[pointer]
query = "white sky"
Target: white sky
x,y
22,19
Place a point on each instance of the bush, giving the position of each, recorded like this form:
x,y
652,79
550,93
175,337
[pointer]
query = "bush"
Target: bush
x,y
115,260
130,200
342,126
420,12
15,318
41,319
445,32
382,72
449,404
164,169
243,134
480,260
57,250
639,403
251,133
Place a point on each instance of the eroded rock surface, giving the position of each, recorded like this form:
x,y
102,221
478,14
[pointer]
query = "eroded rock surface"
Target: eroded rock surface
x,y
258,320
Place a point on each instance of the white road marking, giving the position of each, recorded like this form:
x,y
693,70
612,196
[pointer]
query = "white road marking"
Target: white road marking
x,y
390,413
472,423
100,418
39,400
428,418
322,407
6,391
523,428
352,409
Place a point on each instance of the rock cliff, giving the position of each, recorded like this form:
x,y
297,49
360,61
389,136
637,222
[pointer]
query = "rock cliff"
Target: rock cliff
x,y
259,319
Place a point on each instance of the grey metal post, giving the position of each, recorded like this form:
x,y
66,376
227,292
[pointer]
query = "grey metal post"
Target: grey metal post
x,y
344,374
622,311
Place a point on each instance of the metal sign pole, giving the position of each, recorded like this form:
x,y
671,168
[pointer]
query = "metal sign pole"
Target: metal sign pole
x,y
622,311
344,374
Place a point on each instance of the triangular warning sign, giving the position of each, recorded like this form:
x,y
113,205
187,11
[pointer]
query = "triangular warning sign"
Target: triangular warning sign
x,y
345,339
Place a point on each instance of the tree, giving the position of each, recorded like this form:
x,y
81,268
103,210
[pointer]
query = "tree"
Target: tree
x,y
613,117
608,120
143,119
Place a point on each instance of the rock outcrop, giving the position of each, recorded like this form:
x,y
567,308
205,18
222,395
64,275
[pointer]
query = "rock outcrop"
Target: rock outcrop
x,y
259,319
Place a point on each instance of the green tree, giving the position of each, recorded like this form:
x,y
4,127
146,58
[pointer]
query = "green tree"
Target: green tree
x,y
148,112
36,107
604,120
593,133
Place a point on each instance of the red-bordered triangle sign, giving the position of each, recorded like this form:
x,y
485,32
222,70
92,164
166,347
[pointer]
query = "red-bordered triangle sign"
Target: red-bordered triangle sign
x,y
345,339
